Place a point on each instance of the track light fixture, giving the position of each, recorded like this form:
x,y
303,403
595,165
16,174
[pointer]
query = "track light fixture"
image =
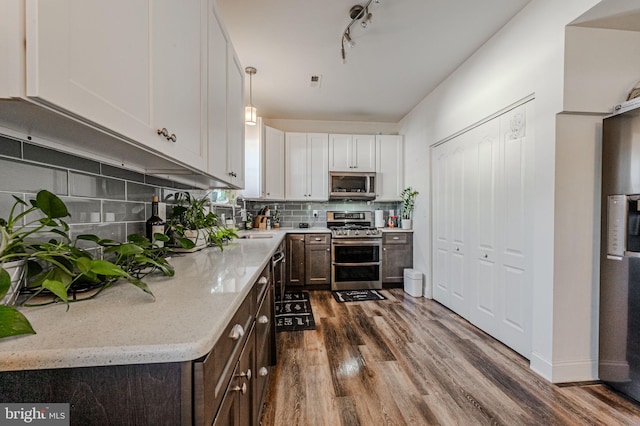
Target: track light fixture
x,y
356,13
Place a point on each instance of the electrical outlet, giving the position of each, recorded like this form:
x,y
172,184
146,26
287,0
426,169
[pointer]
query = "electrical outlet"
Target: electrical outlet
x,y
315,213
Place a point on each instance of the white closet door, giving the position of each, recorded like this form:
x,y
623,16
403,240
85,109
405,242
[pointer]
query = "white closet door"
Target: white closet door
x,y
485,310
440,157
515,280
459,168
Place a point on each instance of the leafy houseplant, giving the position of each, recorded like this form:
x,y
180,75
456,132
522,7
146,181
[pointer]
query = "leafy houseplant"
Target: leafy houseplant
x,y
59,268
408,196
192,228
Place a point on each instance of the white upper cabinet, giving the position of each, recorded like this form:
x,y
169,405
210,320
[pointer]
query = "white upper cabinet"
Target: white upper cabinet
x,y
225,118
134,79
235,121
274,179
389,167
306,166
352,153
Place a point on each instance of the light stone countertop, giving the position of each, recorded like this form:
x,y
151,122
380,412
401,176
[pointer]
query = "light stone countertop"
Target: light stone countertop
x,y
124,325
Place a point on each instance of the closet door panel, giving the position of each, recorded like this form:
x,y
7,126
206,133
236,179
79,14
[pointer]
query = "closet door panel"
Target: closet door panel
x,y
440,209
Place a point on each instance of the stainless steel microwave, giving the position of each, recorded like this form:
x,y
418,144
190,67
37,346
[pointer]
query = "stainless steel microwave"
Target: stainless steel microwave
x,y
352,185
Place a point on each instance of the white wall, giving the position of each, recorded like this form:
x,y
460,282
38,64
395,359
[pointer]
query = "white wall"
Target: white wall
x,y
526,57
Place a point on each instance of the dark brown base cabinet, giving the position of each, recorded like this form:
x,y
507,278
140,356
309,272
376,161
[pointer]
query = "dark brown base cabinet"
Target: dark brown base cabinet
x,y
225,387
309,260
397,254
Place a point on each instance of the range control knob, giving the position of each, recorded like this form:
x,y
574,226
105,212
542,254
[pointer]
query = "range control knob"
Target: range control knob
x,y
356,232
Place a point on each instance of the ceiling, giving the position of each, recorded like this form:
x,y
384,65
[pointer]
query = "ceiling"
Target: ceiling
x,y
406,51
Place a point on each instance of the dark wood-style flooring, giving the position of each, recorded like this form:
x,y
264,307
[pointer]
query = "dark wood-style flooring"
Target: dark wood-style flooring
x,y
407,361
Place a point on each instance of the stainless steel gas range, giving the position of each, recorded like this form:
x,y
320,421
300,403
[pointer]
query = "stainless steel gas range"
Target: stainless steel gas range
x,y
355,251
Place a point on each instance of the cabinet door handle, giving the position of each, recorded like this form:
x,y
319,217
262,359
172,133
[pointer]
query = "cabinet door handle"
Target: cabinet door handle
x,y
236,332
263,280
263,319
242,389
247,374
263,371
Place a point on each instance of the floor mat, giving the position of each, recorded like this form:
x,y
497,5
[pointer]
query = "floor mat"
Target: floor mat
x,y
357,295
294,313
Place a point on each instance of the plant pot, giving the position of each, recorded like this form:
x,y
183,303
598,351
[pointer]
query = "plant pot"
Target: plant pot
x,y
16,270
407,223
199,238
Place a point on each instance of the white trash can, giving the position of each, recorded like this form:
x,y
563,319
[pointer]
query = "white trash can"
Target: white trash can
x,y
413,282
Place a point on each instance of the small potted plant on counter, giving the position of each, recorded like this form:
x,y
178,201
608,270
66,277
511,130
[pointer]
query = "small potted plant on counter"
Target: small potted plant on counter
x,y
408,204
192,227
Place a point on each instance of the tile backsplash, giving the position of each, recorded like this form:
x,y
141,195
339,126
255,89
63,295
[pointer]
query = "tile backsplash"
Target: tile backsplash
x,y
112,202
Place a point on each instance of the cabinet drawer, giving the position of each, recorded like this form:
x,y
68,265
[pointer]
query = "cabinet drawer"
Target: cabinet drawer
x,y
262,284
317,239
264,319
396,238
212,374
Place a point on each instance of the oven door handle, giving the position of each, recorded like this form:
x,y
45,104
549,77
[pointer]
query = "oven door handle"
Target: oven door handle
x,y
360,242
356,263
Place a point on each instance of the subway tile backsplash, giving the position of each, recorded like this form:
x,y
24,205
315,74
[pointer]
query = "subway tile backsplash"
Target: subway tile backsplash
x,y
112,202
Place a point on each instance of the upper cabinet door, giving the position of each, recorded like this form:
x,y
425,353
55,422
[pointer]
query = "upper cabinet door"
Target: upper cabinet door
x,y
179,64
318,151
133,79
235,121
340,153
273,164
363,153
352,153
389,167
217,96
296,167
80,62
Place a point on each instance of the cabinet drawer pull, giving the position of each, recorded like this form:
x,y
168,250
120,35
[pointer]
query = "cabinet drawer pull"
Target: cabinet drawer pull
x,y
263,319
263,372
236,332
396,238
318,239
263,280
247,374
242,389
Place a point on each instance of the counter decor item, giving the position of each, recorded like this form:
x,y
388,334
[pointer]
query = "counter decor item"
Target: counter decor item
x,y
58,268
192,227
408,196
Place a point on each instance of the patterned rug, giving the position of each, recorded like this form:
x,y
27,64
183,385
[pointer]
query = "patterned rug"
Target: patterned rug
x,y
357,295
294,312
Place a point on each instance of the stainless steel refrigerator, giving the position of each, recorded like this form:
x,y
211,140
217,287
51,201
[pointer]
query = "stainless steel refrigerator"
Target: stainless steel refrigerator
x,y
619,341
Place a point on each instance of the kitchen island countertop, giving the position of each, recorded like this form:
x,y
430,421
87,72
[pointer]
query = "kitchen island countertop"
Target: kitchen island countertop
x,y
124,325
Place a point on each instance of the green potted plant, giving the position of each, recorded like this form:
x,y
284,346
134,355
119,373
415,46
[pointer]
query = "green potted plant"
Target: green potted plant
x,y
408,196
191,227
57,267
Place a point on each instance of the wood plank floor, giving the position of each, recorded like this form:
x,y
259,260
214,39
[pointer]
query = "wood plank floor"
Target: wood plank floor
x,y
407,361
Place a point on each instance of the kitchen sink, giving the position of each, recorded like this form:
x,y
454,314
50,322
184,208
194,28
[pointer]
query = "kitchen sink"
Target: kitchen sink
x,y
255,235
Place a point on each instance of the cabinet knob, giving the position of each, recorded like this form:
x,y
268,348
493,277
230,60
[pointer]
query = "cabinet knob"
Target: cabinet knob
x,y
242,389
457,248
172,138
163,132
329,249
263,280
263,371
384,249
263,319
246,374
236,332
486,255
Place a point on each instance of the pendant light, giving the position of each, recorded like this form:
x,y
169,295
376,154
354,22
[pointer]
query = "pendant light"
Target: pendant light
x,y
250,113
